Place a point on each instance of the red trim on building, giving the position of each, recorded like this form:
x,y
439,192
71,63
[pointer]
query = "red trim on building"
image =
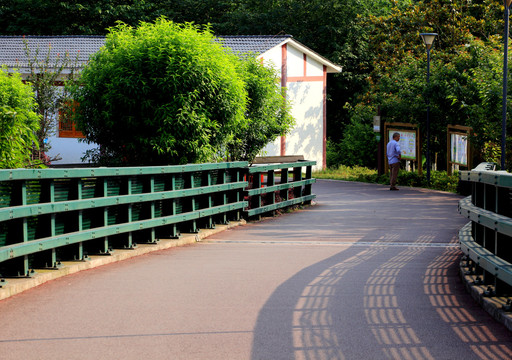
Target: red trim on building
x,y
324,140
284,81
305,78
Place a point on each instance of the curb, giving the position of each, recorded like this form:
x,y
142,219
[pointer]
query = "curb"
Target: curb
x,y
16,286
492,304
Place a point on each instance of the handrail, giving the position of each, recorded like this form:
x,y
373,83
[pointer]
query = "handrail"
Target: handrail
x,y
48,215
67,214
487,239
267,197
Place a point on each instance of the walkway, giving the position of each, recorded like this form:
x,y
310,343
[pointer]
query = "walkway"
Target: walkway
x,y
367,273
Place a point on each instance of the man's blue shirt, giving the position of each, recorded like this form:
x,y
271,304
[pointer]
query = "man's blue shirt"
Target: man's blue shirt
x,y
393,152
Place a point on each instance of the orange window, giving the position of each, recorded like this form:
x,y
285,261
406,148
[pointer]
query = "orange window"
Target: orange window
x,y
67,127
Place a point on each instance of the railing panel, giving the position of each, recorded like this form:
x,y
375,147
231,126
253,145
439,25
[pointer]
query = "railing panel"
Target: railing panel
x,y
47,215
267,195
487,239
53,215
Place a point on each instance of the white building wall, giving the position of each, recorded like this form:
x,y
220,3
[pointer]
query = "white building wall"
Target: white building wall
x,y
295,66
273,58
71,150
307,100
306,138
314,68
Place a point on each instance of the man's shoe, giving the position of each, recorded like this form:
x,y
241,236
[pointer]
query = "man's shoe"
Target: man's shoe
x,y
394,188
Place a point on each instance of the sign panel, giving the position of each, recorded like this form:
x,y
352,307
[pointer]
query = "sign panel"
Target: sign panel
x,y
376,123
407,143
459,149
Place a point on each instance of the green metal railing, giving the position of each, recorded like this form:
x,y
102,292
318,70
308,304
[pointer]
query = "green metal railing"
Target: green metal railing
x,y
53,215
49,215
487,239
281,192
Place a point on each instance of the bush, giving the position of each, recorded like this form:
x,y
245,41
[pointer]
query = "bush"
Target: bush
x,y
18,121
439,180
359,144
162,93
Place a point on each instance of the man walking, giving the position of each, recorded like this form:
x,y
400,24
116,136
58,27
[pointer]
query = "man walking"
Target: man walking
x,y
394,155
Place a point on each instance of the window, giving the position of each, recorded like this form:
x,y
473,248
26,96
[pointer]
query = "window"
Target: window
x,y
67,127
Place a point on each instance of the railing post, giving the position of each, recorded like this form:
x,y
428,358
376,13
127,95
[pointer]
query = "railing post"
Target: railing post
x,y
193,204
153,239
284,180
271,181
308,189
175,233
210,222
225,196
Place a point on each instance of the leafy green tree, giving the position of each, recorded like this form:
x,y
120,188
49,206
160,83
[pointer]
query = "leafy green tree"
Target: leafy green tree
x,y
267,114
359,144
465,69
18,121
71,17
465,89
162,93
43,76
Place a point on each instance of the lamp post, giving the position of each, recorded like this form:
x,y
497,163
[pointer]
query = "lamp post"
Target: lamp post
x,y
505,70
428,39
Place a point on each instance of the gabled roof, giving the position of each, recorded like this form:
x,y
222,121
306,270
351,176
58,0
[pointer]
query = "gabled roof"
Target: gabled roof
x,y
80,48
260,44
256,44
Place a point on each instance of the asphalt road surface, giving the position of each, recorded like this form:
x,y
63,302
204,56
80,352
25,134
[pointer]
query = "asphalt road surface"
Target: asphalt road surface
x,y
366,273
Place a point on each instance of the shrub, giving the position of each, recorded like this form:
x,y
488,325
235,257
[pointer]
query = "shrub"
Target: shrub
x,y
162,93
439,180
18,121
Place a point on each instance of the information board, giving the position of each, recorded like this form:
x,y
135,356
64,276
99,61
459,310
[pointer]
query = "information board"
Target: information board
x,y
407,143
459,149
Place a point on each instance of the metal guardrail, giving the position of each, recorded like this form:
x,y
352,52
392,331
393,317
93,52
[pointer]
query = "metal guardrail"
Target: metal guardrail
x,y
277,193
53,215
487,239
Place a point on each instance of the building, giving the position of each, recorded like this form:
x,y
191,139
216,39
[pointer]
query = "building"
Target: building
x,y
303,73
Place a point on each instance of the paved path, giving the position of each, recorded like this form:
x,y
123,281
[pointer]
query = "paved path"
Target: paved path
x,y
365,274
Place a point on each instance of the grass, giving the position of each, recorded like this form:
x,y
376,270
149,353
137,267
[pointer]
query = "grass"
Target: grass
x,y
439,180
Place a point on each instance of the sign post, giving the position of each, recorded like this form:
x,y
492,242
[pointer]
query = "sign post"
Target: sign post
x,y
409,142
458,148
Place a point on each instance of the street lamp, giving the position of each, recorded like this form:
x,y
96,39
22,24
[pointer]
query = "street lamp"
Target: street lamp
x,y
505,70
428,39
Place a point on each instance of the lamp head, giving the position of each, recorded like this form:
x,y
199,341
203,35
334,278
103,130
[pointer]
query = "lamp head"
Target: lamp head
x,y
428,38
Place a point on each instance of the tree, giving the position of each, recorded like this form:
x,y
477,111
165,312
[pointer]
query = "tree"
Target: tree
x,y
18,121
44,76
162,93
465,69
465,89
268,112
71,17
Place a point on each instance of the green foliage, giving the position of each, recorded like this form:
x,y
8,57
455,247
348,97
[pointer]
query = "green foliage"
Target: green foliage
x,y
359,144
268,112
465,88
439,180
44,73
334,156
70,17
18,121
162,93
466,69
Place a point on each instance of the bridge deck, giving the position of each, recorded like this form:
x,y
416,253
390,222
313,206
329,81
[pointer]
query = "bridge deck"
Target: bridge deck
x,y
366,273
